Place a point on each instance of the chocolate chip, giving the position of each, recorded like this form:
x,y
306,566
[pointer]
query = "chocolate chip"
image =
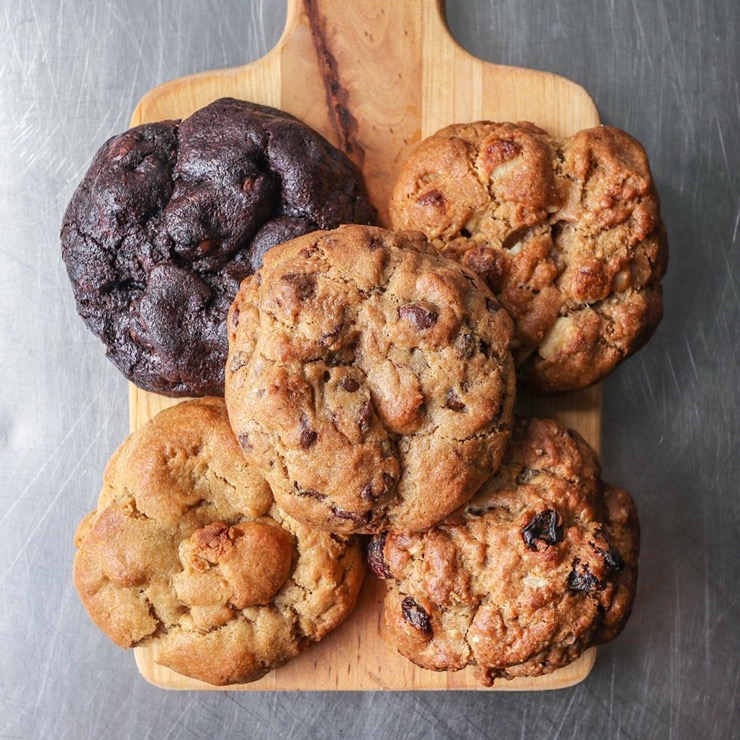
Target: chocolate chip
x,y
365,416
416,616
368,492
418,315
309,492
454,403
244,442
465,233
376,559
484,348
309,252
543,527
489,263
340,513
308,435
350,385
308,438
326,376
305,285
581,579
431,198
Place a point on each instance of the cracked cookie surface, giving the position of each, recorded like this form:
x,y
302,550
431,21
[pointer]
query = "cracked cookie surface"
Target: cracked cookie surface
x,y
171,217
369,379
567,233
188,550
540,565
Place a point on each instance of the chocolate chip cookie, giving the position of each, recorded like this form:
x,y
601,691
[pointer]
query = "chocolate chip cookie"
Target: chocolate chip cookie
x,y
540,565
567,234
188,550
171,217
369,379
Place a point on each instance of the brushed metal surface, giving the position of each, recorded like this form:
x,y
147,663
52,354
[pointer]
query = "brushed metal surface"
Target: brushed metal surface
x,y
70,75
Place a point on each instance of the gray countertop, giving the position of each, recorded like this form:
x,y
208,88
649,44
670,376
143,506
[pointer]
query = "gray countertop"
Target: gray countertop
x,y
70,76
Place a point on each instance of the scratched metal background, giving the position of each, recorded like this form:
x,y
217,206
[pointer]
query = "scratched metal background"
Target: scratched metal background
x,y
70,75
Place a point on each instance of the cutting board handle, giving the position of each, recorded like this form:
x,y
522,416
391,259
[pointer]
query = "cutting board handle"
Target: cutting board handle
x,y
322,14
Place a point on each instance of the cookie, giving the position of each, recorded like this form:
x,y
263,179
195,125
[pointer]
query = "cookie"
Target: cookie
x,y
540,565
369,379
188,551
171,217
567,233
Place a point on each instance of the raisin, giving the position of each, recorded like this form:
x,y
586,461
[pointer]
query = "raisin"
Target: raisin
x,y
326,376
581,579
418,315
376,559
492,305
454,403
245,443
543,527
612,559
416,616
375,242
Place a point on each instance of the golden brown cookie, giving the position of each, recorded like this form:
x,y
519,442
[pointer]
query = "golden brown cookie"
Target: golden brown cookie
x,y
540,565
369,379
188,549
567,234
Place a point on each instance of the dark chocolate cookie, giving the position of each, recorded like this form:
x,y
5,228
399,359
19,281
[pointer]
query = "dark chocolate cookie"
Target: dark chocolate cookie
x,y
171,217
540,565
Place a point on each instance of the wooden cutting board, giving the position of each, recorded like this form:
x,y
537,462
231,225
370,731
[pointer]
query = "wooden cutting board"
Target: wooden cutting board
x,y
375,77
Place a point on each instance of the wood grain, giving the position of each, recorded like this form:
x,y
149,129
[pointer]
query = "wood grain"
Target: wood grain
x,y
375,78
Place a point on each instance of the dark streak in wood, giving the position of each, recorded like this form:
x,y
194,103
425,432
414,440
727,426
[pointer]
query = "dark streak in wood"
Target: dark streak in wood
x,y
337,96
